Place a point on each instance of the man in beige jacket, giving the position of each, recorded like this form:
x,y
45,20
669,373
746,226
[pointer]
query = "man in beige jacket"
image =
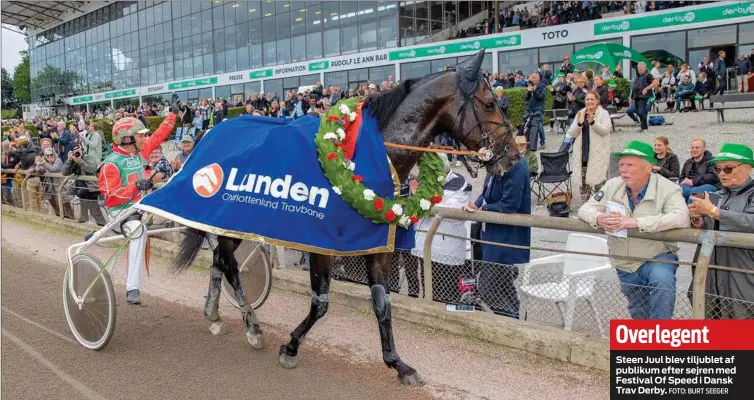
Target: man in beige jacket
x,y
651,203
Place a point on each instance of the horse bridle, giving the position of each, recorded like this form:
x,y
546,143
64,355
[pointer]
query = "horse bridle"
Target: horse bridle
x,y
468,92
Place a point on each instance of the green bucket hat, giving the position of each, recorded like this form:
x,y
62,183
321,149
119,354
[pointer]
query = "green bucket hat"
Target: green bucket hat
x,y
561,74
639,149
735,152
612,84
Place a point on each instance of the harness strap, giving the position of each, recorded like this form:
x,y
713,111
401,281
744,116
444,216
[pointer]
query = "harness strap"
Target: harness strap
x,y
434,150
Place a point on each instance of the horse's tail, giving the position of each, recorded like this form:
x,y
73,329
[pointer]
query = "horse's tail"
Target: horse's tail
x,y
189,249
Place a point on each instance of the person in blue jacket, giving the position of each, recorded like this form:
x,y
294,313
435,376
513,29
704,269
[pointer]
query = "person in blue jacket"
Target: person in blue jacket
x,y
504,193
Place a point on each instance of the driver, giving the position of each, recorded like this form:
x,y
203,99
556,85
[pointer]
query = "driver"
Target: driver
x,y
121,180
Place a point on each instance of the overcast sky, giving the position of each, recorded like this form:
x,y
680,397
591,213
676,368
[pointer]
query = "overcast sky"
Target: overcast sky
x,y
12,43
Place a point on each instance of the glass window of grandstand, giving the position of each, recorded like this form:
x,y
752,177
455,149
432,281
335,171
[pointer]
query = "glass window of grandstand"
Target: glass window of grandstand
x,y
337,78
222,92
236,95
746,38
252,88
667,47
120,103
415,69
512,61
273,86
710,41
553,56
419,20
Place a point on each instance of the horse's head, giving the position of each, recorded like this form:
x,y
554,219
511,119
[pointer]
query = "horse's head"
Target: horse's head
x,y
480,123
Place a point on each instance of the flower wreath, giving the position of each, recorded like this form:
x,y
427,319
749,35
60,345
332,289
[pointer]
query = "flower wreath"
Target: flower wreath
x,y
335,142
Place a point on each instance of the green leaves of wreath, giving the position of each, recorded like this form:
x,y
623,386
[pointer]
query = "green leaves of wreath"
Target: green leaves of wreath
x,y
343,174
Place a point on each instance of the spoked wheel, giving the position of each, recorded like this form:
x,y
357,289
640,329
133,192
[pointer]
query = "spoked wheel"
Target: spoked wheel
x,y
255,274
93,323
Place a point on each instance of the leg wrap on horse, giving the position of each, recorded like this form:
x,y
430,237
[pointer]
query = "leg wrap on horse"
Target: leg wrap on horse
x,y
213,293
321,303
381,303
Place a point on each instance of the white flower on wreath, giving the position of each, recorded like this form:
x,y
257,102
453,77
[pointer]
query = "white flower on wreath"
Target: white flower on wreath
x,y
352,116
369,194
330,136
349,165
397,209
344,109
404,221
441,179
425,204
337,190
341,133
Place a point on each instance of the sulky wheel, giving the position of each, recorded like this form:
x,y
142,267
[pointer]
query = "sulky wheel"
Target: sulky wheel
x,y
255,274
93,323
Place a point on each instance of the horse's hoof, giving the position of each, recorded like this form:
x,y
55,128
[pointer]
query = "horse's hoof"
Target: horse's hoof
x,y
413,379
288,362
255,339
217,327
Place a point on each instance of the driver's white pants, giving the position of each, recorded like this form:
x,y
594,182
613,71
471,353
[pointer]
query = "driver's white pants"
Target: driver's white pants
x,y
136,249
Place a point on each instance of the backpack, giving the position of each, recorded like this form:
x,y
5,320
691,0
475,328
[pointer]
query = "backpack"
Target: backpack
x,y
656,120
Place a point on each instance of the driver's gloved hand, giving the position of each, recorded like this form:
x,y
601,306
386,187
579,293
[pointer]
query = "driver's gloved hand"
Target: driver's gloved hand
x,y
144,184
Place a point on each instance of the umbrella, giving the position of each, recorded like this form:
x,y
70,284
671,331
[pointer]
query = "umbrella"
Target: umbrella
x,y
609,54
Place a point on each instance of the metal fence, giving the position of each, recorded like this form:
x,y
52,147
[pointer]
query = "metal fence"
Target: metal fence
x,y
544,291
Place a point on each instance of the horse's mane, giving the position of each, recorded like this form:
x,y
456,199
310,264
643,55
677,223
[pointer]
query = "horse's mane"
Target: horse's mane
x,y
383,105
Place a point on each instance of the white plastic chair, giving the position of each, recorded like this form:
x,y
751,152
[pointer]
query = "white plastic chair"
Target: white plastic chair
x,y
566,292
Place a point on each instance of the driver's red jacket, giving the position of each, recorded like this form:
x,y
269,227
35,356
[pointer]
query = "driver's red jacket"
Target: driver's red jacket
x,y
111,184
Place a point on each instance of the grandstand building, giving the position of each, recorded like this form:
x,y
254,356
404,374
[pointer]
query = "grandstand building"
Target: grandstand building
x,y
88,54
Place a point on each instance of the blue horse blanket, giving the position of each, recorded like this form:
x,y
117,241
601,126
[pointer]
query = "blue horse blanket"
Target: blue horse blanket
x,y
259,178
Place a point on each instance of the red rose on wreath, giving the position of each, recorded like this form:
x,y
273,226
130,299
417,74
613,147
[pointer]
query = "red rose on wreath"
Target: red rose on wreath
x,y
378,204
332,156
358,178
414,219
333,118
390,215
435,199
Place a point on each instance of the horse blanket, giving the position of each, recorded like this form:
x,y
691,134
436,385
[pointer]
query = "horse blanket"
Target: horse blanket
x,y
259,178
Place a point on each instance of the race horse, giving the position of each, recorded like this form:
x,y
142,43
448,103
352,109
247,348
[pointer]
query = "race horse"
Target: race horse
x,y
459,101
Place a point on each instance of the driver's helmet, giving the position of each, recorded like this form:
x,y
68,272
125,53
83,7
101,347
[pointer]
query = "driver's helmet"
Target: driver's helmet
x,y
125,127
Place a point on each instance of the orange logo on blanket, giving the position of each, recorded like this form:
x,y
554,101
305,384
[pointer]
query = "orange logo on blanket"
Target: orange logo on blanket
x,y
208,180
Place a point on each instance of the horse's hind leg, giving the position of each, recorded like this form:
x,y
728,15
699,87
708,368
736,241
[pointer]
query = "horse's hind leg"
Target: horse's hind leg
x,y
230,268
378,270
217,326
319,273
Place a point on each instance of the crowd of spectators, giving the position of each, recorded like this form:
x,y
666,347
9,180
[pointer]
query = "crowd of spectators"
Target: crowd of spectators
x,y
551,13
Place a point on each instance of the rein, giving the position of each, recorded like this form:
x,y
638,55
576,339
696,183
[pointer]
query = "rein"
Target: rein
x,y
434,149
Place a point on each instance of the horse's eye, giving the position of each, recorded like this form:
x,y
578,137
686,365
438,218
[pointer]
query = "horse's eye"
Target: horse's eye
x,y
489,106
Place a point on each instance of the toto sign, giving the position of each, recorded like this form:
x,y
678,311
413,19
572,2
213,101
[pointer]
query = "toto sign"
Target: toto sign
x,y
555,34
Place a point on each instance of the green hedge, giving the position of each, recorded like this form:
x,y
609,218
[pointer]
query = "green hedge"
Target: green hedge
x,y
623,89
235,111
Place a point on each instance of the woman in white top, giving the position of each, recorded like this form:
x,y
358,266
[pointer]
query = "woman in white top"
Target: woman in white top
x,y
589,136
448,253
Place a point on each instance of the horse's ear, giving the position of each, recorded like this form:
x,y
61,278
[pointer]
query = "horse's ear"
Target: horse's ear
x,y
472,66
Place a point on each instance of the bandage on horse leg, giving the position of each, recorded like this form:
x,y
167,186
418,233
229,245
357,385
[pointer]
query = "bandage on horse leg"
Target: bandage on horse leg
x,y
320,283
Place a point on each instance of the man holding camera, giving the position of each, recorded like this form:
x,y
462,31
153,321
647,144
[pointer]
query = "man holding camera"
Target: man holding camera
x,y
121,180
84,160
535,107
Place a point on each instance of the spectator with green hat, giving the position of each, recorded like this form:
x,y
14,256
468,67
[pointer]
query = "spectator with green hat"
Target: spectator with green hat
x,y
729,209
639,199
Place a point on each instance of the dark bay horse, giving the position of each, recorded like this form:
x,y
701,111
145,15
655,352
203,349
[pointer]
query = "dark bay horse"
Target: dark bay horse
x,y
458,101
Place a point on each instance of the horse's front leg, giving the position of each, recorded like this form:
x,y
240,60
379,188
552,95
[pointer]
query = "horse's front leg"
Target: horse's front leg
x,y
217,326
378,270
227,248
319,273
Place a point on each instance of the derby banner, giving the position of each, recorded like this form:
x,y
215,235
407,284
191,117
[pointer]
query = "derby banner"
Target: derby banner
x,y
258,178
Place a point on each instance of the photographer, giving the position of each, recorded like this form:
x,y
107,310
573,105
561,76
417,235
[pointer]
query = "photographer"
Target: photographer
x,y
84,160
535,107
